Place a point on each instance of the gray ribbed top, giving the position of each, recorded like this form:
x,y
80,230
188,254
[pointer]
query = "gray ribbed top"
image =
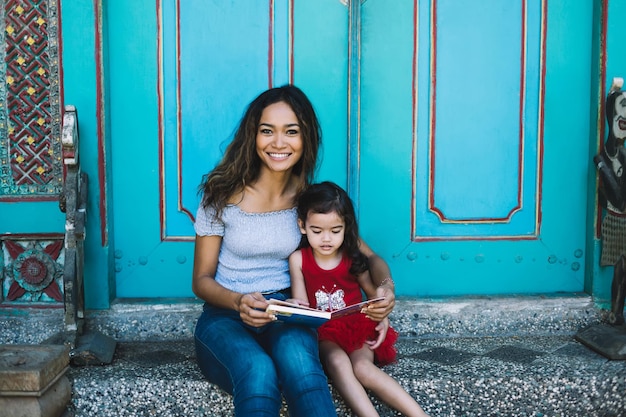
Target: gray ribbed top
x,y
255,247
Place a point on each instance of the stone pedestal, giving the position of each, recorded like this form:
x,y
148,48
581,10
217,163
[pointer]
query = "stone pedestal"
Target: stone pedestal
x,y
607,340
33,381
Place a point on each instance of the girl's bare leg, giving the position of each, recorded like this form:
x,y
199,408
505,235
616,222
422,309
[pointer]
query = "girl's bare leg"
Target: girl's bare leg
x,y
339,368
384,386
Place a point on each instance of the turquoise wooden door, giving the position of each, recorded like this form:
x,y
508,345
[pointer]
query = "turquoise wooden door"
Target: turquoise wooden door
x,y
461,130
474,143
179,81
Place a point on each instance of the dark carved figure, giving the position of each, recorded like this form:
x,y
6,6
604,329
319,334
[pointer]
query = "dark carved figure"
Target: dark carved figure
x,y
610,163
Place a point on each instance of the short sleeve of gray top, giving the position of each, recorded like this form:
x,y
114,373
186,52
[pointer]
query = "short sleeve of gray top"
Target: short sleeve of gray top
x,y
255,247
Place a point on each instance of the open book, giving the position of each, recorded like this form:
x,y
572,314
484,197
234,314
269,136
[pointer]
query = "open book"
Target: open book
x,y
294,313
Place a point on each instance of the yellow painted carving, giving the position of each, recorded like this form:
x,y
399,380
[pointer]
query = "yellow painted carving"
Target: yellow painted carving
x,y
41,121
10,30
30,40
19,10
31,91
51,152
40,170
10,80
21,60
41,71
41,21
30,140
19,159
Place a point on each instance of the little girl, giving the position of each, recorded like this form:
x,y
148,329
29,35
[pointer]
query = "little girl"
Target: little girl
x,y
330,271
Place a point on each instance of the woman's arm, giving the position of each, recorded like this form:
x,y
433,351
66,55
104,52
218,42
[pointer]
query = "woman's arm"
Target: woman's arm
x,y
203,283
365,282
298,286
381,277
250,306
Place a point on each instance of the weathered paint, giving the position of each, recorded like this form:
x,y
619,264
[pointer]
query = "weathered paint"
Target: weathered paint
x,y
84,86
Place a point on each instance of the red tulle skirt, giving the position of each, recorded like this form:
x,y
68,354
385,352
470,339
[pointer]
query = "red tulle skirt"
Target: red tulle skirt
x,y
351,332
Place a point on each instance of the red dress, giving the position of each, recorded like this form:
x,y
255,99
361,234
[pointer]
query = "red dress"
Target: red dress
x,y
337,288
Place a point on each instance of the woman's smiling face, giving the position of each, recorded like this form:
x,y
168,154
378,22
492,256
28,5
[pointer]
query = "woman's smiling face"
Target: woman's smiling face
x,y
278,138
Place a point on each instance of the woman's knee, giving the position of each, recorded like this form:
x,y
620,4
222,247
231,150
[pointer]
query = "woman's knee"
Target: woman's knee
x,y
256,373
298,362
296,348
233,361
293,367
256,391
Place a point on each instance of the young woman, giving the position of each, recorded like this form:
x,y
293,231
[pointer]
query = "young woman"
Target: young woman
x,y
246,228
328,273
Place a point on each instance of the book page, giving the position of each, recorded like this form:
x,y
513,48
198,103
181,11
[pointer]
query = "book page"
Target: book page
x,y
287,304
354,308
295,313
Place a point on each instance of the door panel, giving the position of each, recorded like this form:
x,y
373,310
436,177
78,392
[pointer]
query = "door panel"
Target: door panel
x,y
223,55
180,96
463,114
481,124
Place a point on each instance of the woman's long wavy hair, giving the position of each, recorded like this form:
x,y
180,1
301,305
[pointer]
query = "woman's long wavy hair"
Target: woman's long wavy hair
x,y
328,197
241,164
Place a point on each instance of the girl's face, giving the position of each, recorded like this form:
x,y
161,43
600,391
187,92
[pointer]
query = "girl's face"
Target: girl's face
x,y
324,231
278,138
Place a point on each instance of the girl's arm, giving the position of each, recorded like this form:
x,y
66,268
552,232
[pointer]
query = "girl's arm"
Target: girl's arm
x,y
381,279
251,307
298,286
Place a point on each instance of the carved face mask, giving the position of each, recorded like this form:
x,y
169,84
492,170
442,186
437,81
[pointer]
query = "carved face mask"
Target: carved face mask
x,y
619,117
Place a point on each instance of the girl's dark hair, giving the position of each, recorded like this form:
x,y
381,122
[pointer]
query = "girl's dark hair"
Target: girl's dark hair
x,y
241,165
327,197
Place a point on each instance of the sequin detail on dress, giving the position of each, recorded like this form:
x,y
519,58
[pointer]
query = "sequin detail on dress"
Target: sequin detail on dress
x,y
330,300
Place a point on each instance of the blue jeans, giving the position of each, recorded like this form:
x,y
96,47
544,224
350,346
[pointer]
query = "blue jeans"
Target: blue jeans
x,y
256,364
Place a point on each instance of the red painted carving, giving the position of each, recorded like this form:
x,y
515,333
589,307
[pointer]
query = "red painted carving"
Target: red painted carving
x,y
33,269
15,292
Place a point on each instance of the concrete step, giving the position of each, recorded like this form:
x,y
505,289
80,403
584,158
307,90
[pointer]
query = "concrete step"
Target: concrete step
x,y
479,376
467,356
